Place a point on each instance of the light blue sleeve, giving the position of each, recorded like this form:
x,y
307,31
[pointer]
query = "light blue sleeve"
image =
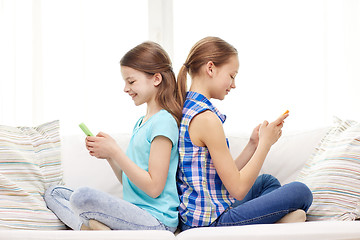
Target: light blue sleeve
x,y
165,125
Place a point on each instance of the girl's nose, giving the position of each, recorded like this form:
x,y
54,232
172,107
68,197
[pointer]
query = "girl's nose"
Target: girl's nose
x,y
233,84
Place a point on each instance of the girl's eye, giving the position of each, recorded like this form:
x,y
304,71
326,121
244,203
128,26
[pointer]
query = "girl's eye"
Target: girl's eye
x,y
131,82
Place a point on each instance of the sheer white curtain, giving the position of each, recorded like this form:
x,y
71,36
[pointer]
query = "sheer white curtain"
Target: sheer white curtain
x,y
301,55
60,59
16,68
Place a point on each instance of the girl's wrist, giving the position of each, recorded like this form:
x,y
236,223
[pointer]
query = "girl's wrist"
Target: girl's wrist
x,y
116,154
253,143
264,145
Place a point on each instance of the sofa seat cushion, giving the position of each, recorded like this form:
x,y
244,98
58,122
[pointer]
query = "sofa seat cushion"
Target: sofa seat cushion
x,y
320,230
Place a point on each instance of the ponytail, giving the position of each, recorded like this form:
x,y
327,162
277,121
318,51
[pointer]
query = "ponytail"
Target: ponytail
x,y
182,85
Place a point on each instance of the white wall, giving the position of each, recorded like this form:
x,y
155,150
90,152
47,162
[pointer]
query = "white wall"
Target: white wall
x,y
60,59
296,55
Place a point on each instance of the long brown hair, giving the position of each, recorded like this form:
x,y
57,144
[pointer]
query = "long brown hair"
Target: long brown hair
x,y
207,49
150,58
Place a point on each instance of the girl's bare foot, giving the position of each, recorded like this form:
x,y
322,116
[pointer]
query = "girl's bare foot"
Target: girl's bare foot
x,y
84,227
95,225
295,216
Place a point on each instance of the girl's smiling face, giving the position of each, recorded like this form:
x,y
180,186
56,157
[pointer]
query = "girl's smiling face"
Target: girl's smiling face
x,y
224,78
139,85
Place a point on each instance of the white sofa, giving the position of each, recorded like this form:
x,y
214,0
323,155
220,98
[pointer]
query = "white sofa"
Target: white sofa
x,y
284,161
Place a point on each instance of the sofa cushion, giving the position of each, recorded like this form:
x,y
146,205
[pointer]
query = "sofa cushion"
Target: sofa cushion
x,y
288,155
333,174
30,161
95,173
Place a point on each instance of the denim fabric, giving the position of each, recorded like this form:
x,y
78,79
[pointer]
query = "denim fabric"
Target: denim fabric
x,y
266,202
77,207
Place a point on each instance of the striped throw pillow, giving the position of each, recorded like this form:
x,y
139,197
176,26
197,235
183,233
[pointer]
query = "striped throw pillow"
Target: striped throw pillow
x,y
333,174
30,161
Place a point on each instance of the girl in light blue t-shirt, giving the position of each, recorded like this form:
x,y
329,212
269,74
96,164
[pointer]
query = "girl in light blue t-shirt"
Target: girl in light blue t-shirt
x,y
147,170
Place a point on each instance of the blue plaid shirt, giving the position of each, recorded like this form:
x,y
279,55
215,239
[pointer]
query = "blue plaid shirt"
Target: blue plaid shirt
x,y
203,196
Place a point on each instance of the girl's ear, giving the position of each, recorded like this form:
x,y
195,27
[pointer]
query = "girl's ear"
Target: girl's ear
x,y
210,67
157,79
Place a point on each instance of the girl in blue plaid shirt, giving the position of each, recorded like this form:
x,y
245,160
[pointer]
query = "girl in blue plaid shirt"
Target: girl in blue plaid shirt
x,y
214,189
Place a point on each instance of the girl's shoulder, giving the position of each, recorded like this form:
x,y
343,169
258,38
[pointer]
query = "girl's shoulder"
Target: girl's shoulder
x,y
164,124
163,117
193,107
206,120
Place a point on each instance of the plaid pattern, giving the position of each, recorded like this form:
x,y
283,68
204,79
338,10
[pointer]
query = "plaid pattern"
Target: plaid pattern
x,y
203,197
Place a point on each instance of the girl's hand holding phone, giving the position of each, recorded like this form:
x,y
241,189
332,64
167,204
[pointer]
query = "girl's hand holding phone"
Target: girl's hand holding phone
x,y
102,146
269,133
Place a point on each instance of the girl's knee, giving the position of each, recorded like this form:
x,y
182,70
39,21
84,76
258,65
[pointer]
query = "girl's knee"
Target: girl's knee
x,y
81,197
302,189
302,192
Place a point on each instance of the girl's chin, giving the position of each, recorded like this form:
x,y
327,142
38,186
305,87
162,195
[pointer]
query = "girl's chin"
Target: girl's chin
x,y
220,97
138,103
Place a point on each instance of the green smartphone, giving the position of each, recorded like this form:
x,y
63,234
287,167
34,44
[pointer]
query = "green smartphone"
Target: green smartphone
x,y
85,129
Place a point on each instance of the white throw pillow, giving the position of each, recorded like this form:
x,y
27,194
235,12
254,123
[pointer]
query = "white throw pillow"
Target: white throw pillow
x,y
30,161
333,174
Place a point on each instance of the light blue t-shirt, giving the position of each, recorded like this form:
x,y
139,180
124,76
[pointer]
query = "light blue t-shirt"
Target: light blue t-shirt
x,y
165,206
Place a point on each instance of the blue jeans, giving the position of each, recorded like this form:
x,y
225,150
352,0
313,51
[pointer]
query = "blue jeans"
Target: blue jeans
x,y
266,202
75,208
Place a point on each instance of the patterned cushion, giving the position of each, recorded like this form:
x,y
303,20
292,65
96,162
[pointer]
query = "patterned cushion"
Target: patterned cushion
x,y
30,161
333,174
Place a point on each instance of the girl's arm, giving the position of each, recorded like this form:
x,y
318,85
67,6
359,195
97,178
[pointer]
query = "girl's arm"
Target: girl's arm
x,y
152,182
115,167
249,149
238,183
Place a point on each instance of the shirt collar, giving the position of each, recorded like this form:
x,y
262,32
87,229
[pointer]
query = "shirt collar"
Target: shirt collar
x,y
201,98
